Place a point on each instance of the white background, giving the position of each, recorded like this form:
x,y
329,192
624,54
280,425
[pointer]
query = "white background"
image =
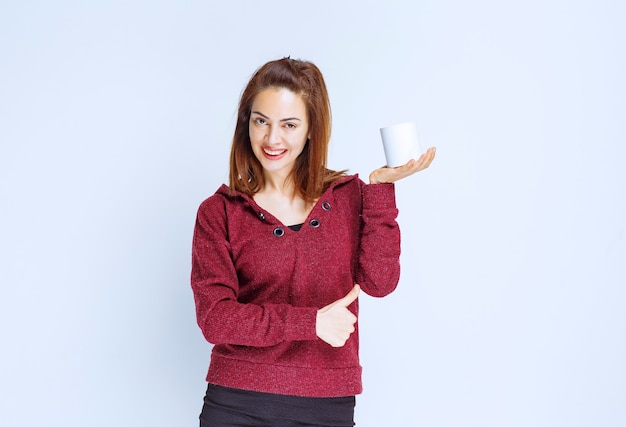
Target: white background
x,y
115,123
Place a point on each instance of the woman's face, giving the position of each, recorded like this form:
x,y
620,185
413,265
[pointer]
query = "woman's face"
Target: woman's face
x,y
278,129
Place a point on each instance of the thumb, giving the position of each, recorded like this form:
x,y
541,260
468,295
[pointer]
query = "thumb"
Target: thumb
x,y
350,297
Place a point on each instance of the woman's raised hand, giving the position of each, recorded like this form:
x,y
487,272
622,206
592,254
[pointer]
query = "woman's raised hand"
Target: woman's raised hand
x,y
335,323
387,174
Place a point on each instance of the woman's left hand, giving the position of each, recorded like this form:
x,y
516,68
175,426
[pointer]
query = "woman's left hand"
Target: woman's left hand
x,y
387,174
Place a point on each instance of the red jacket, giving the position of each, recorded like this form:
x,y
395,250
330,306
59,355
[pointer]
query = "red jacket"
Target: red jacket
x,y
258,285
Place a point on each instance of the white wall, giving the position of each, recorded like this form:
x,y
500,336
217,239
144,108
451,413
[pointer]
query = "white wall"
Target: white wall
x,y
115,123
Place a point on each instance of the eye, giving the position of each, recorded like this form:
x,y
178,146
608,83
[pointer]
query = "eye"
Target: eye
x,y
259,121
290,125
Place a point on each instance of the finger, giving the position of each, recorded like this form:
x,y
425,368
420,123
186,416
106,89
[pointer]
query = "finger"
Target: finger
x,y
408,165
425,159
350,297
426,163
431,154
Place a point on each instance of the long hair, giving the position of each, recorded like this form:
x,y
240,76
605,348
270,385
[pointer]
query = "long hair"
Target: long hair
x,y
310,175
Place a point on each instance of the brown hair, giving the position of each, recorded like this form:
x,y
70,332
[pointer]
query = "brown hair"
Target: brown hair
x,y
309,175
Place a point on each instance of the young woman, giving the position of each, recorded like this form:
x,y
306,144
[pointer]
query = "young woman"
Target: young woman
x,y
280,256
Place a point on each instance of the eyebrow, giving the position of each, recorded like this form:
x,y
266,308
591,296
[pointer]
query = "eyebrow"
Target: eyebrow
x,y
281,120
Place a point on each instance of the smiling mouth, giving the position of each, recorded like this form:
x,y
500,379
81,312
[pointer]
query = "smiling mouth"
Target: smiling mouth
x,y
274,153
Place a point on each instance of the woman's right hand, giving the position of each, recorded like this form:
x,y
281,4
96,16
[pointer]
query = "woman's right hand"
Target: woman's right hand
x,y
335,323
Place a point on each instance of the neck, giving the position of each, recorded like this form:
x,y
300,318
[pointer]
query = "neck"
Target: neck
x,y
278,183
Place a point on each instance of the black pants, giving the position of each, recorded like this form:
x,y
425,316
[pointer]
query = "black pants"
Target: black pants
x,y
228,407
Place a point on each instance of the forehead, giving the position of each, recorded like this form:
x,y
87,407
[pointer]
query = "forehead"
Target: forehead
x,y
279,102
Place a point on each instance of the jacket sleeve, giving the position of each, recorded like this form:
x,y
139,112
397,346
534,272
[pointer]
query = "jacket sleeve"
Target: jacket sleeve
x,y
221,317
379,247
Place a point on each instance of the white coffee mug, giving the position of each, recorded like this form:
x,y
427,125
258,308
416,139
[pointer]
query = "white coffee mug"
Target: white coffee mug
x,y
401,143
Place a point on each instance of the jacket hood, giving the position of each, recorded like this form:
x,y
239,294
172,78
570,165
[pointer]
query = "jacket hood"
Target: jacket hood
x,y
225,190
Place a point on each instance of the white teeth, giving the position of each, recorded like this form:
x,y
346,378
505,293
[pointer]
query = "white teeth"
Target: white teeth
x,y
273,152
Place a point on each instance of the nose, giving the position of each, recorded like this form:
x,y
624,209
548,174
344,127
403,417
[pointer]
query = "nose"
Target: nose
x,y
274,135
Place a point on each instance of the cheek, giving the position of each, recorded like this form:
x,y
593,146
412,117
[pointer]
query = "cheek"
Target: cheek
x,y
254,134
303,142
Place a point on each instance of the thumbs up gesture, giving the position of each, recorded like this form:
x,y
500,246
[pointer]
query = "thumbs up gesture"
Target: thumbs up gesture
x,y
335,323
